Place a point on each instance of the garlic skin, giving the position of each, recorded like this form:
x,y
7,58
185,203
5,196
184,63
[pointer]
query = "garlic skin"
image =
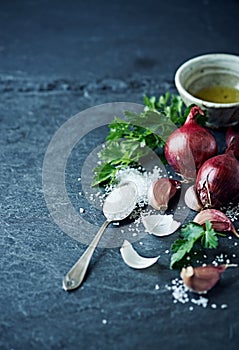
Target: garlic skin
x,y
220,222
161,191
133,259
160,225
202,279
191,199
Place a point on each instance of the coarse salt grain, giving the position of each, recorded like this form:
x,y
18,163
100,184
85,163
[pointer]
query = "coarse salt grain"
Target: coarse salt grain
x,y
82,210
202,301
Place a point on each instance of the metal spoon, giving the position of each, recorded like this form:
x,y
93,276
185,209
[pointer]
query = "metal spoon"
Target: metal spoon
x,y
117,206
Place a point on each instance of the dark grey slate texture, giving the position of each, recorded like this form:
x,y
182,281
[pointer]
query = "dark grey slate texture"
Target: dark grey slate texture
x,y
56,59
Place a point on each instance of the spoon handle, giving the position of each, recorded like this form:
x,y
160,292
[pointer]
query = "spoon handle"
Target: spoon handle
x,y
76,274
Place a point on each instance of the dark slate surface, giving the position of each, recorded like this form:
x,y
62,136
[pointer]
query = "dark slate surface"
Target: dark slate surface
x,y
56,59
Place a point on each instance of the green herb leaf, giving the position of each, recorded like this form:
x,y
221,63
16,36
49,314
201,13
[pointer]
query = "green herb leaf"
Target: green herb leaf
x,y
209,239
133,137
103,173
192,233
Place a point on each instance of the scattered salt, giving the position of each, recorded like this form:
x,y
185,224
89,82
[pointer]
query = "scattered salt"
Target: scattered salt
x,y
201,301
156,286
82,210
104,321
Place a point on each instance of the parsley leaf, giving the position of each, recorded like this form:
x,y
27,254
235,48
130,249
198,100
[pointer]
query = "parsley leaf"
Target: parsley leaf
x,y
209,239
133,137
190,234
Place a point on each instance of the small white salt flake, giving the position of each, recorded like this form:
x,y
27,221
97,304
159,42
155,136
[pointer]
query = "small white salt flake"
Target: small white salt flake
x,y
235,244
104,321
166,251
156,286
213,306
224,306
82,210
190,308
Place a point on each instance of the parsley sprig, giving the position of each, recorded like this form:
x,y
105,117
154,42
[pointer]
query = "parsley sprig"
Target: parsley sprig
x,y
191,234
133,137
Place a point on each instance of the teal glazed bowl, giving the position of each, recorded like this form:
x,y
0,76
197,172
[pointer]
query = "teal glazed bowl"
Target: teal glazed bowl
x,y
211,81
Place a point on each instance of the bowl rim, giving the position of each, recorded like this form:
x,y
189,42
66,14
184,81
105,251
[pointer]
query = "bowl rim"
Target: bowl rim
x,y
194,99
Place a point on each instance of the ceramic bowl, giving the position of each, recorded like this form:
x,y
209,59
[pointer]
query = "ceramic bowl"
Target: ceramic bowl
x,y
205,71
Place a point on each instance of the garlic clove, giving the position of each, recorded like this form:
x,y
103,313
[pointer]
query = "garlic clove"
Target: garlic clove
x,y
160,225
220,222
161,191
203,278
191,199
133,259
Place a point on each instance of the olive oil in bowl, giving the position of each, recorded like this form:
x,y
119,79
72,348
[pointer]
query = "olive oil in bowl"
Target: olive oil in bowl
x,y
218,94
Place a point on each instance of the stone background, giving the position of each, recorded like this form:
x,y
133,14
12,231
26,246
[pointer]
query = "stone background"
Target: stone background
x,y
58,58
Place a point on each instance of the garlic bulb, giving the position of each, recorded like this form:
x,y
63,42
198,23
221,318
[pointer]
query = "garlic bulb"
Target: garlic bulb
x,y
161,191
203,278
191,199
220,222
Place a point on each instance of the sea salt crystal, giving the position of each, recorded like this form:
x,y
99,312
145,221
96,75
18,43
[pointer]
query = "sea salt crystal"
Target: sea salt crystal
x,y
82,210
200,302
104,321
156,286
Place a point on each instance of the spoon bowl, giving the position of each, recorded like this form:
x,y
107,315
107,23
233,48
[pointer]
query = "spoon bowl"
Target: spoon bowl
x,y
117,206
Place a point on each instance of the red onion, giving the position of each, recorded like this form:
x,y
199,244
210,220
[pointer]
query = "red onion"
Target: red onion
x,y
232,135
217,182
161,191
188,147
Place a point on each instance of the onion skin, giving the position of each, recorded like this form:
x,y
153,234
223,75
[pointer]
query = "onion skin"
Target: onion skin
x,y
232,136
217,182
188,147
161,191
